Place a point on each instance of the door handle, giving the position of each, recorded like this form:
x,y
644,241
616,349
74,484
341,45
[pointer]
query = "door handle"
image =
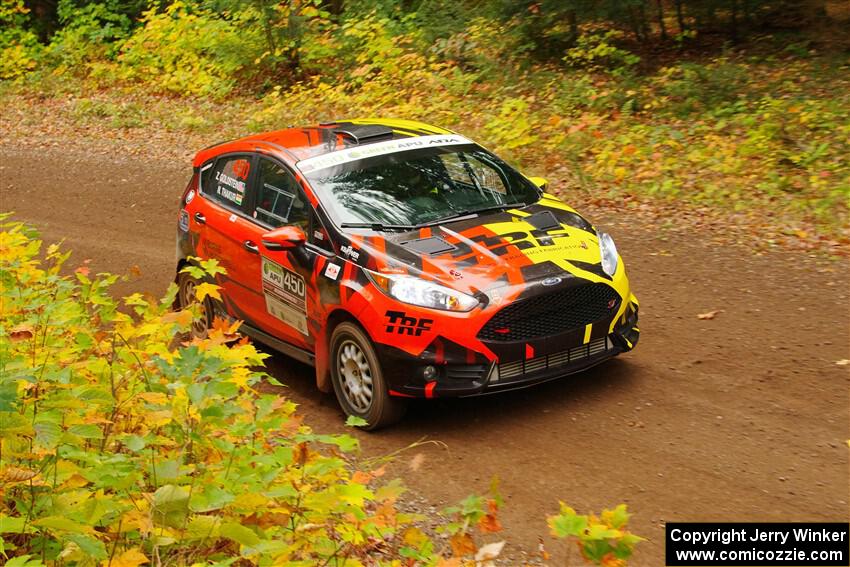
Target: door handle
x,y
251,247
200,218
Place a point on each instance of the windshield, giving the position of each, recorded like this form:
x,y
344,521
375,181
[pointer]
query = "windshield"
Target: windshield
x,y
415,187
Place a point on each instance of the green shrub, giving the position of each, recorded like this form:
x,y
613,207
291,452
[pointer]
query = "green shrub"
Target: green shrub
x,y
598,52
19,47
123,442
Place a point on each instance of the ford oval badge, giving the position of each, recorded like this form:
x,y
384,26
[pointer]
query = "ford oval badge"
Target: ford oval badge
x,y
551,281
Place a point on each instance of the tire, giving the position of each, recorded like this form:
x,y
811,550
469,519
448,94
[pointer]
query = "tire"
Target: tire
x,y
358,380
186,285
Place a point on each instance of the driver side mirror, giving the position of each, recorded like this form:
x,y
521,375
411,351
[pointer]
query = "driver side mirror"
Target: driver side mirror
x,y
541,182
284,238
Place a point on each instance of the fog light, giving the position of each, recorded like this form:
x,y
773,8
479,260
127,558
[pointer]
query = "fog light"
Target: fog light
x,y
429,373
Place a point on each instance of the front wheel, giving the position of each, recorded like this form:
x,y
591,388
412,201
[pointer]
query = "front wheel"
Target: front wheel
x,y
358,380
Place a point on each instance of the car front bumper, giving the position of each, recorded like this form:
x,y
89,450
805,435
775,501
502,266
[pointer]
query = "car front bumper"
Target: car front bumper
x,y
409,376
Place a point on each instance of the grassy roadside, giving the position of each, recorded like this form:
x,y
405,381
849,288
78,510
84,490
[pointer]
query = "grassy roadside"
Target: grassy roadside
x,y
755,147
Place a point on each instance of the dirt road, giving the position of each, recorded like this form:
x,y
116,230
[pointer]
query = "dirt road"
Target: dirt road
x,y
743,417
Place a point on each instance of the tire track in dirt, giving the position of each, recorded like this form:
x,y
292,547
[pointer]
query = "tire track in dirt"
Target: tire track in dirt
x,y
744,417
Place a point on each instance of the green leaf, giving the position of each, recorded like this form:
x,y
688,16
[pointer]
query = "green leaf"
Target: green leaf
x,y
354,421
86,431
239,533
48,433
601,531
565,525
170,497
60,524
134,443
354,494
90,546
13,424
10,524
616,517
24,561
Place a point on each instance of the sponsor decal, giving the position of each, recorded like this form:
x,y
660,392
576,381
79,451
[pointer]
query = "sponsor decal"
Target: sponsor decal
x,y
332,271
456,274
349,251
342,157
190,195
551,281
232,218
318,235
183,223
241,168
232,187
399,322
285,293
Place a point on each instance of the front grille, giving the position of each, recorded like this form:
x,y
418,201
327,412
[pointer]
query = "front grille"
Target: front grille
x,y
517,369
551,313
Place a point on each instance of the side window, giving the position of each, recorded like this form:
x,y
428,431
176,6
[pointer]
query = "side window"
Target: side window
x,y
226,181
280,200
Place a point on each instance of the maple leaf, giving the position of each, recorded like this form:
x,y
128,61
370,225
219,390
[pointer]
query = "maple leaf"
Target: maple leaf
x,y
489,523
462,545
204,289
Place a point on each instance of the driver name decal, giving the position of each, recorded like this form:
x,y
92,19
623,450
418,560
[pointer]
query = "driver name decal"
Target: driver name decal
x,y
285,293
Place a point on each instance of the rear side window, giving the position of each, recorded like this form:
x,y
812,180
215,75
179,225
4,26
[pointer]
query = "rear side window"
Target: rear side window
x,y
227,181
280,199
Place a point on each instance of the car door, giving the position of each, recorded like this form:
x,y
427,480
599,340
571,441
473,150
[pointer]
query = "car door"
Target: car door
x,y
288,306
221,221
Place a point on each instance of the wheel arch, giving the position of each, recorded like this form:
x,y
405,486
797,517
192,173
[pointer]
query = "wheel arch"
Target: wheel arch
x,y
323,367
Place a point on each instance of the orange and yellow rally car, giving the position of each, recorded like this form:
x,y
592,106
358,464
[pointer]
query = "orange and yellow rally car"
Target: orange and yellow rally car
x,y
402,260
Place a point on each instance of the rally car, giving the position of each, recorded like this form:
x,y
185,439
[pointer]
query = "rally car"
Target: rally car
x,y
401,260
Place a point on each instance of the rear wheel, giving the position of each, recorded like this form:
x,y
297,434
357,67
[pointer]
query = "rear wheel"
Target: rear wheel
x,y
358,380
186,286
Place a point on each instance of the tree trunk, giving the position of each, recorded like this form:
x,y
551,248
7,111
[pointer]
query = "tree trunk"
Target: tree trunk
x,y
733,23
680,18
572,20
661,27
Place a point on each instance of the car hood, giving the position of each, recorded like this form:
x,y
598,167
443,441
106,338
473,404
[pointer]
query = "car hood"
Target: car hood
x,y
547,242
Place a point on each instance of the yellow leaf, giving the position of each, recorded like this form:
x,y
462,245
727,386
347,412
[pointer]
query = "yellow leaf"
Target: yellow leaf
x,y
130,558
204,289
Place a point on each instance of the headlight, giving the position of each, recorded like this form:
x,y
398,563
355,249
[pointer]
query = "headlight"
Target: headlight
x,y
608,252
423,293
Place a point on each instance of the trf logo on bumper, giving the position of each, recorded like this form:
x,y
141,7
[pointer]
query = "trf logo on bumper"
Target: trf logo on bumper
x,y
399,322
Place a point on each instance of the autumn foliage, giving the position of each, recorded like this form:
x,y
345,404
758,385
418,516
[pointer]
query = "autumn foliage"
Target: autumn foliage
x,y
124,443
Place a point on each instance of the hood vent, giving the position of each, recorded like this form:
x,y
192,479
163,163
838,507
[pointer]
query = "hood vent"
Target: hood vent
x,y
542,220
432,246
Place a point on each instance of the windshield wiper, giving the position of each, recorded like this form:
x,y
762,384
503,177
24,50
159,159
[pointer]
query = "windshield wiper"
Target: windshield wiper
x,y
470,212
377,226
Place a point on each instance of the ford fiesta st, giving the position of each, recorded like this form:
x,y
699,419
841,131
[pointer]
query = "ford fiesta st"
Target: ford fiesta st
x,y
401,260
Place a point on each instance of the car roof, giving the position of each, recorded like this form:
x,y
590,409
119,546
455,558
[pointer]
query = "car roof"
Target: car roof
x,y
295,144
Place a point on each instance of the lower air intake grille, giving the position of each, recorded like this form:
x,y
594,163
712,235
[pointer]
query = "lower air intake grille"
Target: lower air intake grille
x,y
551,313
509,371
